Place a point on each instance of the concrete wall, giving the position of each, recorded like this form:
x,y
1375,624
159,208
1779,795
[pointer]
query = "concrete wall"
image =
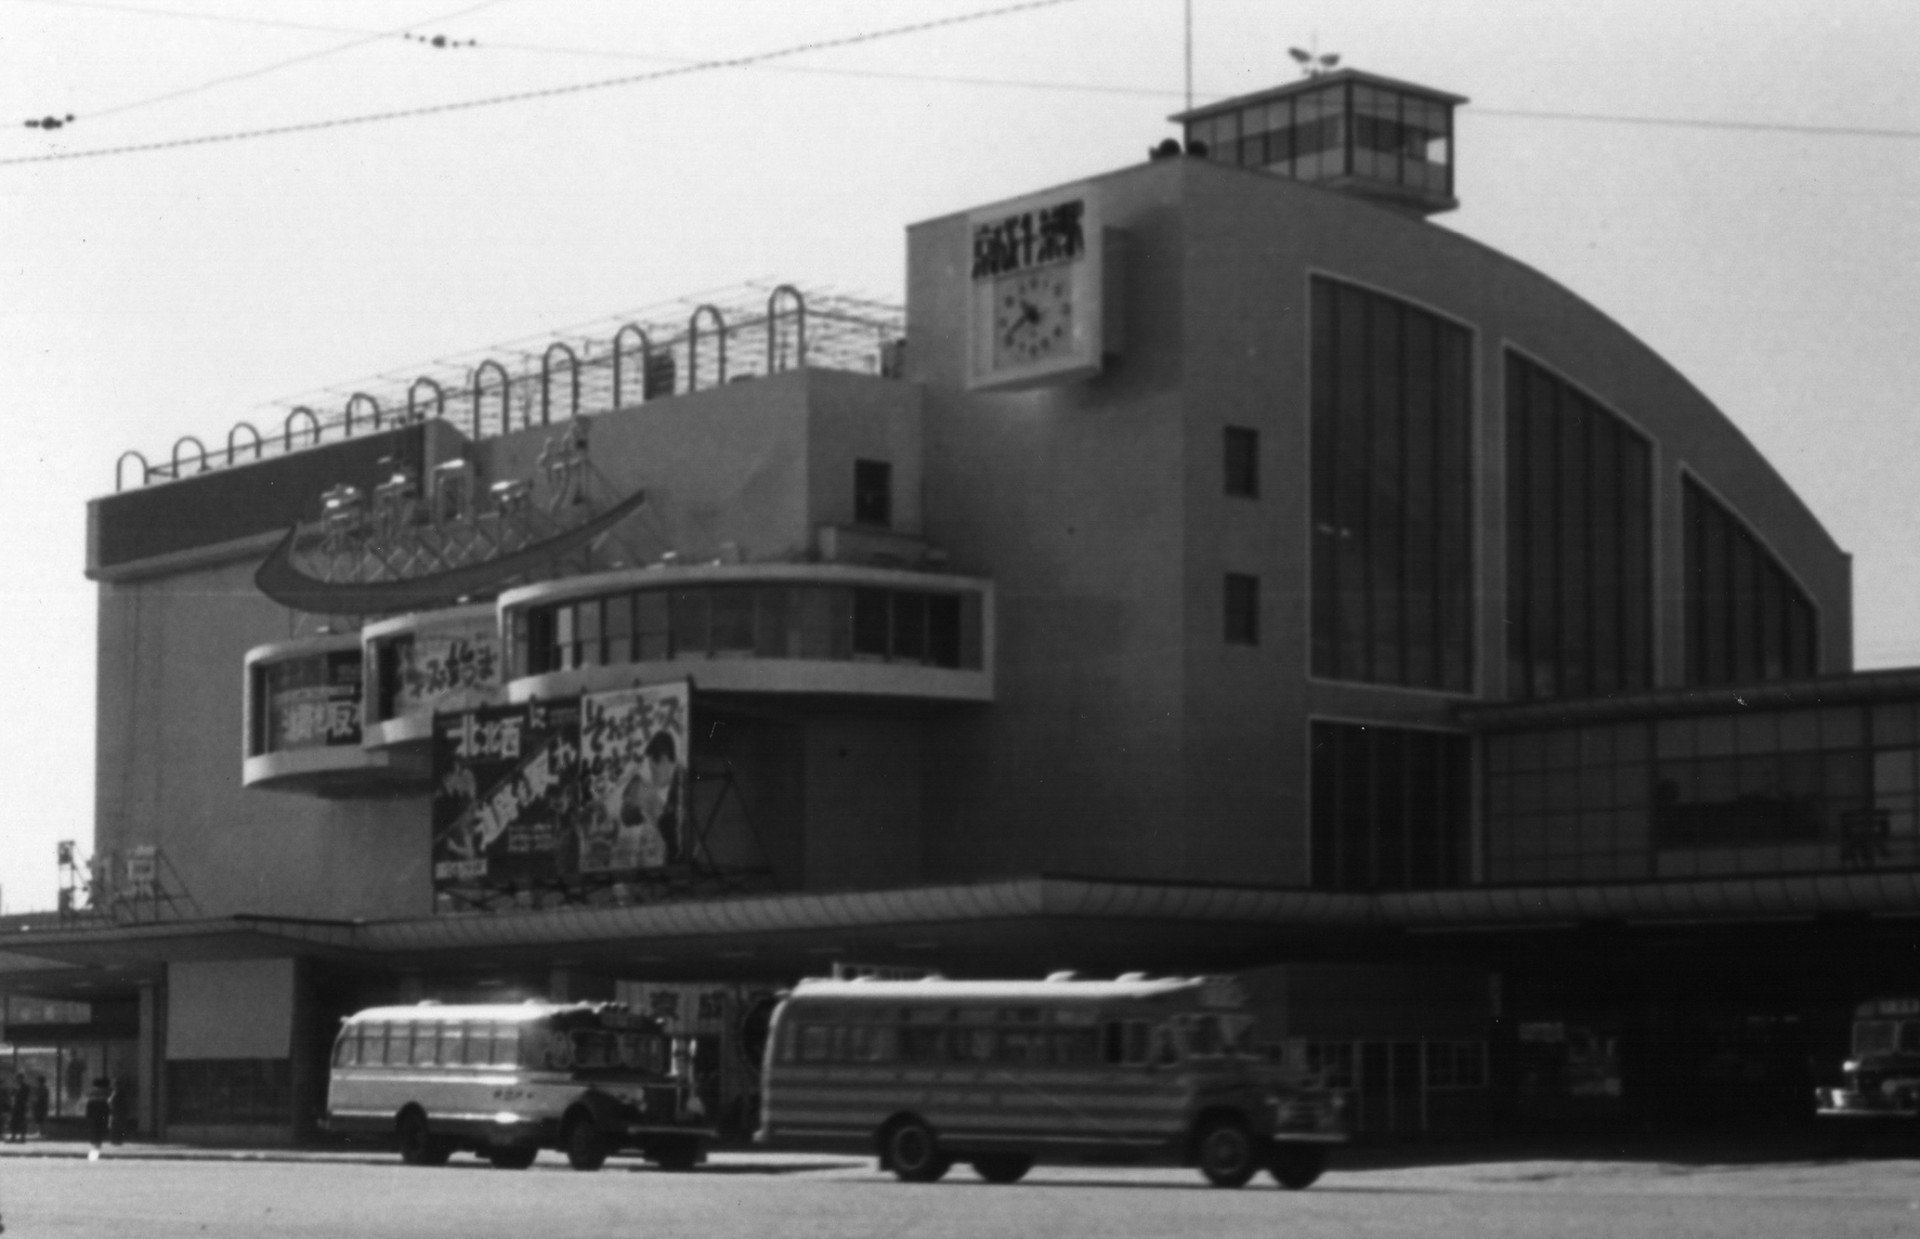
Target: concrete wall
x,y
238,1008
863,790
732,465
1127,738
170,746
1070,499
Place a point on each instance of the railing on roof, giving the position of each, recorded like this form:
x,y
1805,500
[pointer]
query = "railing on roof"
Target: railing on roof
x,y
642,357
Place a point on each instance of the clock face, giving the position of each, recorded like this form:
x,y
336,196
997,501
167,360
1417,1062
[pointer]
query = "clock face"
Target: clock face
x,y
1032,316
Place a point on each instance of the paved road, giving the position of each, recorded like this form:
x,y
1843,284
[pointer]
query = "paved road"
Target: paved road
x,y
157,1195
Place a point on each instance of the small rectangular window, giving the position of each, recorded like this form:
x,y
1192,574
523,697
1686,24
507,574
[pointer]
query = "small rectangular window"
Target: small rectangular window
x,y
873,493
1242,603
1242,462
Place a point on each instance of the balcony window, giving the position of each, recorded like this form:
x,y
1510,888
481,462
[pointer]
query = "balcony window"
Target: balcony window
x,y
934,628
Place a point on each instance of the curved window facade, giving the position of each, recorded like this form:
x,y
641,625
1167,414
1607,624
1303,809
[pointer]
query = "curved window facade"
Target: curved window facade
x,y
306,702
1391,481
1579,542
1746,619
819,622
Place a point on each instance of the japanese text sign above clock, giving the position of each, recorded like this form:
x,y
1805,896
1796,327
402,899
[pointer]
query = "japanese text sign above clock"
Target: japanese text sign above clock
x,y
1038,277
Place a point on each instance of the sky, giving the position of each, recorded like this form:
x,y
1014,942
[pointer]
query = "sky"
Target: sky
x,y
1734,181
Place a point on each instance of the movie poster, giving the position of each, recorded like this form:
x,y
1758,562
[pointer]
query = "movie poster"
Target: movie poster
x,y
505,780
633,753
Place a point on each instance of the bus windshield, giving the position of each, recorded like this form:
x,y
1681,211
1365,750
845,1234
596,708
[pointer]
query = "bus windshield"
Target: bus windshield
x,y
1886,1037
594,1049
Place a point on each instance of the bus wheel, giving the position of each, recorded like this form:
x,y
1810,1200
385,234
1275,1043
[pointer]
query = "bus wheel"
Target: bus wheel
x,y
675,1155
585,1148
1294,1166
417,1145
1002,1167
512,1159
914,1154
1226,1154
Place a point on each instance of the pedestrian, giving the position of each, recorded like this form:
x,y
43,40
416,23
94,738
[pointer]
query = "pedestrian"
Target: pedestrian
x,y
99,1111
42,1105
19,1106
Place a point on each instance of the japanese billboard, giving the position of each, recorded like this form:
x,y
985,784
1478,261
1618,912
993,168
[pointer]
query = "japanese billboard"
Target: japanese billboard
x,y
583,791
503,776
313,702
633,746
447,667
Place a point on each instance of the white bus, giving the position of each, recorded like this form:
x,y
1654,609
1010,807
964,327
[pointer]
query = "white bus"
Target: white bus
x,y
507,1080
1001,1074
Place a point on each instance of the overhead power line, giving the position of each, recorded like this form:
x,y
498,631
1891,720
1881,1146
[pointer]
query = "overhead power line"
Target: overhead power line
x,y
551,92
1674,122
371,36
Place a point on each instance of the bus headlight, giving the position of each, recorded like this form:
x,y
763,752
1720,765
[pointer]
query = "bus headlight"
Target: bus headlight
x,y
506,1116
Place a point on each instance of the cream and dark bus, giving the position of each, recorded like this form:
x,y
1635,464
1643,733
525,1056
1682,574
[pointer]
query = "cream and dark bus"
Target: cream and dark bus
x,y
1001,1074
507,1080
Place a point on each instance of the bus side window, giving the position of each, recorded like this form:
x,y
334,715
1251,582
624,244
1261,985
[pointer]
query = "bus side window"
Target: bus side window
x,y
869,1043
923,1044
426,1040
1113,1043
1076,1048
1023,1047
1129,1042
816,1040
379,1046
346,1051
453,1045
974,1045
1162,1045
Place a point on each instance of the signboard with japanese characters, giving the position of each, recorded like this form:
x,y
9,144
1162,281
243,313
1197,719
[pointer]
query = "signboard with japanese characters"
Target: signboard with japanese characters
x,y
313,702
1038,284
559,796
633,745
447,666
503,780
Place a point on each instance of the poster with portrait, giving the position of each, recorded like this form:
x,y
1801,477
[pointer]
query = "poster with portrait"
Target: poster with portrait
x,y
505,780
632,811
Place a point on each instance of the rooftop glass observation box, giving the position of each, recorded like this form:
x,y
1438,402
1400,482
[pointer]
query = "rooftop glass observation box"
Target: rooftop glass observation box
x,y
1387,141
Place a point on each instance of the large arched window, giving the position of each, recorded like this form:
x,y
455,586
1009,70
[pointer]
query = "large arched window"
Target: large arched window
x,y
1746,618
1579,542
1392,484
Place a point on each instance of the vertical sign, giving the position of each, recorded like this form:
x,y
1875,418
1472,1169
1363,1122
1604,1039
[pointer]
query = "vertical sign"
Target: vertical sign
x,y
503,778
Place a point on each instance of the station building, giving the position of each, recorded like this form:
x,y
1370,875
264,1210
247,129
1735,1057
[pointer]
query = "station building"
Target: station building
x,y
1219,567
